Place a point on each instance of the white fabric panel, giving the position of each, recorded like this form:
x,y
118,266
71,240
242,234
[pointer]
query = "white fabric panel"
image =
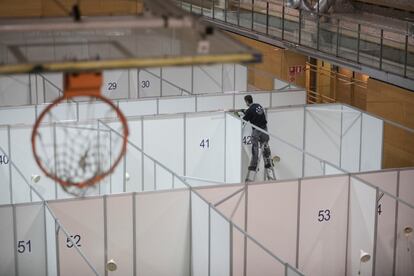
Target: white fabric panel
x,y
115,84
51,86
164,141
30,228
287,124
371,149
133,83
207,79
176,79
241,78
205,161
323,130
162,233
177,105
6,241
290,165
261,98
406,192
229,77
405,242
21,153
259,262
164,178
331,170
279,84
386,181
313,166
323,222
211,103
14,90
220,245
62,112
233,149
120,233
133,182
247,151
4,167
288,98
199,223
361,227
149,84
351,135
138,108
96,110
17,115
84,220
272,227
149,174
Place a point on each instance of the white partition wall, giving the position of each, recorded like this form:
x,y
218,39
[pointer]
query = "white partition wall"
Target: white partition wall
x,y
351,139
15,89
149,82
371,143
7,239
233,149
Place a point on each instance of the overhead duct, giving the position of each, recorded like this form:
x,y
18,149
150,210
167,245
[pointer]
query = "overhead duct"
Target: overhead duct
x,y
322,6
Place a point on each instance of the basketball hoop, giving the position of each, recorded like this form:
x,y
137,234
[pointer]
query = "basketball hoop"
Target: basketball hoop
x,y
78,155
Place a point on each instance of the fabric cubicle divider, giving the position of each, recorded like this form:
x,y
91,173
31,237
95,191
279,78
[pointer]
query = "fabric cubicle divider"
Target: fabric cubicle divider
x,y
17,115
7,256
214,102
207,79
5,166
351,139
179,77
371,143
233,149
149,83
117,84
15,89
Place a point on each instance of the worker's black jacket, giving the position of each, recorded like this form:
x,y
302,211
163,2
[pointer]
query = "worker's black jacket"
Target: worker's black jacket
x,y
255,114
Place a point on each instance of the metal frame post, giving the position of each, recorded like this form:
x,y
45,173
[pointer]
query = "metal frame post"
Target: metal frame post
x,y
337,38
283,20
267,18
252,22
213,12
300,26
225,10
238,13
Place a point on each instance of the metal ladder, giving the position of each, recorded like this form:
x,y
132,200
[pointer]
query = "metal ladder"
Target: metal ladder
x,y
269,173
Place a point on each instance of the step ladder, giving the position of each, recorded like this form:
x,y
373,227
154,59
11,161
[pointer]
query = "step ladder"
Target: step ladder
x,y
269,173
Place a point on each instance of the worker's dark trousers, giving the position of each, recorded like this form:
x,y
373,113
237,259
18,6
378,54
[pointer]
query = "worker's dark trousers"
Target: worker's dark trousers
x,y
263,139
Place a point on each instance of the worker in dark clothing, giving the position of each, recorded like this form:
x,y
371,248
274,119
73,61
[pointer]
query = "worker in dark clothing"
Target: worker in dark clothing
x,y
256,116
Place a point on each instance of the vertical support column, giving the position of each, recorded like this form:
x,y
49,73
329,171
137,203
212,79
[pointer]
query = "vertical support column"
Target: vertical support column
x,y
202,7
209,240
139,86
238,13
161,81
246,219
191,229
105,213
347,223
192,79
298,223
406,55
340,137
185,143
134,233
214,10
360,142
394,257
374,251
381,48
142,155
300,26
225,10
283,20
304,141
317,29
231,248
10,164
16,260
359,41
54,157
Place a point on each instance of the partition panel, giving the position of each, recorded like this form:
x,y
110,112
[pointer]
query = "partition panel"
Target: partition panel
x,y
323,130
241,78
288,98
261,98
52,254
176,105
371,143
268,205
50,85
84,220
163,141
406,191
15,89
405,241
176,78
17,115
207,79
204,152
61,112
279,84
313,166
138,107
4,167
31,239
162,233
115,84
287,124
361,227
219,245
149,84
290,164
150,181
323,222
199,235
211,103
119,225
7,249
233,149
331,170
258,262
351,139
133,171
229,77
386,181
95,110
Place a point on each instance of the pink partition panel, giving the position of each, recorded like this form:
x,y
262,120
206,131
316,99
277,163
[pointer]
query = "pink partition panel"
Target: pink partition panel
x,y
84,220
119,224
386,205
217,193
258,262
323,222
406,191
7,261
234,209
272,217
